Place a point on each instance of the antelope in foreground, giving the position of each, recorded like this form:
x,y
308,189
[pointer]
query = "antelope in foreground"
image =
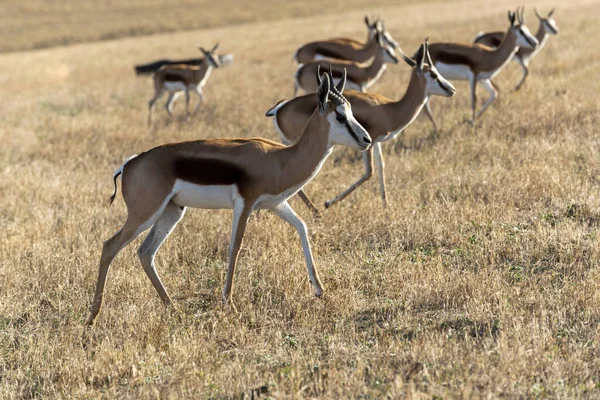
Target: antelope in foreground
x,y
479,63
360,77
383,118
239,174
523,56
347,49
185,78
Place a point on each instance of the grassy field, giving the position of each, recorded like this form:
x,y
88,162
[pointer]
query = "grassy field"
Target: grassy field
x,y
480,279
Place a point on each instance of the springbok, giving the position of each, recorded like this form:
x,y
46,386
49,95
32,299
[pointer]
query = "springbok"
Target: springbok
x,y
360,76
523,56
152,67
479,63
383,118
347,49
185,78
239,174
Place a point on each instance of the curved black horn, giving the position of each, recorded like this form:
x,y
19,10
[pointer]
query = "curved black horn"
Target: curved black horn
x,y
215,48
420,57
551,12
537,14
319,75
521,15
428,56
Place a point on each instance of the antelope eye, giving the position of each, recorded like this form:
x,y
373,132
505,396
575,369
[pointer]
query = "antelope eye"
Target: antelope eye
x,y
434,75
340,117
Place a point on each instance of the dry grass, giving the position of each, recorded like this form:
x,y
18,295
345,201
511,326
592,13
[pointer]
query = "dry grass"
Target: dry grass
x,y
480,279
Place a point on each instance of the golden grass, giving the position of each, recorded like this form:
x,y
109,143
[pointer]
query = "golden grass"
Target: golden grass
x,y
480,278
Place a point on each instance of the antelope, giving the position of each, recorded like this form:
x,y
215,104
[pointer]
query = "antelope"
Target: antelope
x,y
383,118
347,49
239,174
150,68
479,63
185,78
523,56
360,77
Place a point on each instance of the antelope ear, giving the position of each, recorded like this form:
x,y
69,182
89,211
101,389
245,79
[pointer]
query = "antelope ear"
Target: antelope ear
x,y
202,50
342,83
215,48
379,38
551,12
537,14
367,21
511,17
419,57
323,93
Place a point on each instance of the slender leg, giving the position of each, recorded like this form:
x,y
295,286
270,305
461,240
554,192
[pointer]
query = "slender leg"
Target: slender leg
x,y
368,160
496,87
490,88
157,95
158,234
309,204
429,114
525,67
169,104
241,212
187,104
379,164
111,248
200,99
285,212
473,84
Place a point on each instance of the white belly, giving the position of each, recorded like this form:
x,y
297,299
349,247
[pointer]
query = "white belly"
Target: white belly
x,y
174,86
454,72
204,196
267,201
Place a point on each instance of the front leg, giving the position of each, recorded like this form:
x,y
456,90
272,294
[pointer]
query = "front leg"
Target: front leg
x,y
368,159
473,85
241,212
490,88
525,67
380,171
200,99
309,204
285,212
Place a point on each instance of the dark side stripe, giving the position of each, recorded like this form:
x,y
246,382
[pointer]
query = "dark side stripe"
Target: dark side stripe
x,y
206,171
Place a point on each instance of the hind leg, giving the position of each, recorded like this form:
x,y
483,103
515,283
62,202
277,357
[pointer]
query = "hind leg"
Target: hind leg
x,y
429,114
159,233
173,96
134,225
157,95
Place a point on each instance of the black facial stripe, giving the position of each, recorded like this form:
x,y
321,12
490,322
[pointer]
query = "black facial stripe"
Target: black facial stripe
x,y
526,37
351,132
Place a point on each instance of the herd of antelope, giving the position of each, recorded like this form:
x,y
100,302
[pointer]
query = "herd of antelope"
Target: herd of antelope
x,y
254,174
